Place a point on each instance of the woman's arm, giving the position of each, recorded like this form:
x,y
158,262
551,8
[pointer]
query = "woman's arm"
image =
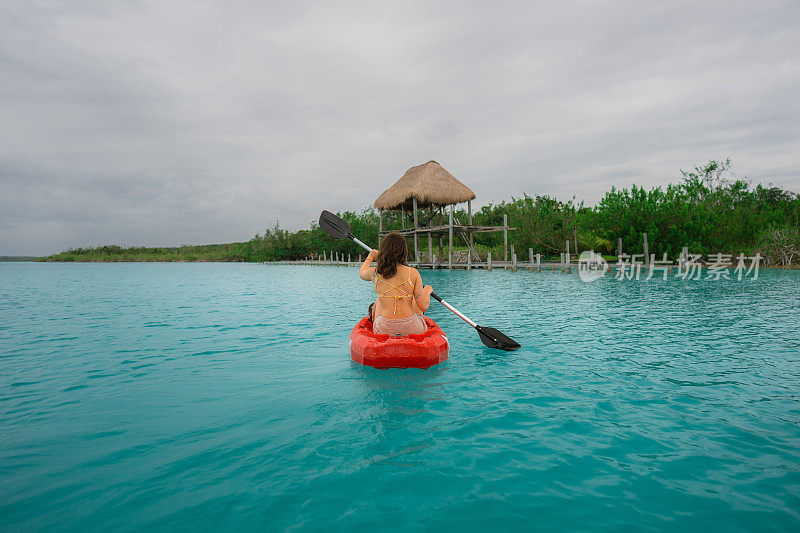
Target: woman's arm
x,y
366,270
422,295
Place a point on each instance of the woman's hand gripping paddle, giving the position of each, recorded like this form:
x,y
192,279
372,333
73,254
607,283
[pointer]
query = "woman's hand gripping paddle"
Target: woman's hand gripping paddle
x,y
339,229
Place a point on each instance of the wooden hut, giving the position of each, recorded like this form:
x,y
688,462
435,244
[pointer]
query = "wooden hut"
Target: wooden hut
x,y
420,195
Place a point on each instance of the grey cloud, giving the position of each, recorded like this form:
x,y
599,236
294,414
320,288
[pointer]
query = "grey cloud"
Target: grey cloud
x,y
145,123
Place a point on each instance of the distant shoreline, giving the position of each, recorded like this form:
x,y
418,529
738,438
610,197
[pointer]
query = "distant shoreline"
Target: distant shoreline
x,y
708,211
549,263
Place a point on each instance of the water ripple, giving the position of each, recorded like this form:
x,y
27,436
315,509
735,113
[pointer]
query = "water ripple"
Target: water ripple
x,y
213,396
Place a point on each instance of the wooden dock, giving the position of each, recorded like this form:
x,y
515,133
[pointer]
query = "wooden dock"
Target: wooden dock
x,y
542,266
469,260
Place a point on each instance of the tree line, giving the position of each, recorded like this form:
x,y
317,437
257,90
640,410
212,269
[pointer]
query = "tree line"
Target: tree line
x,y
708,211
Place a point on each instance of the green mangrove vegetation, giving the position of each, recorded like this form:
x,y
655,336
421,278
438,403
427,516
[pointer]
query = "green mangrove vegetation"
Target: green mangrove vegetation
x,y
708,210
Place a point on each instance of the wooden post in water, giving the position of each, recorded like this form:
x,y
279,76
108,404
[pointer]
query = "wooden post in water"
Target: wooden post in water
x,y
539,262
619,246
512,257
489,261
359,258
683,258
513,260
434,263
505,238
566,256
416,229
450,245
430,247
324,257
561,261
646,251
530,257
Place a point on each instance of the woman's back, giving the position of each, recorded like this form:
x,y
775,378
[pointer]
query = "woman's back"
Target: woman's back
x,y
396,294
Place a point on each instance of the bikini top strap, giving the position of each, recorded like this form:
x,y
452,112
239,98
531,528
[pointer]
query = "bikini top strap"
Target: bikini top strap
x,y
376,278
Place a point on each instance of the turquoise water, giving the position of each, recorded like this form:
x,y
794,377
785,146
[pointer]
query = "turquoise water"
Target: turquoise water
x,y
209,396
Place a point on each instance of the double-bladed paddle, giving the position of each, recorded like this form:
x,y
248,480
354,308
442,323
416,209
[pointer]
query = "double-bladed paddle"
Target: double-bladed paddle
x,y
339,229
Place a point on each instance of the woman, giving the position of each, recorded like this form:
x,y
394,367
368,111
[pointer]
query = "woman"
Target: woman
x,y
401,296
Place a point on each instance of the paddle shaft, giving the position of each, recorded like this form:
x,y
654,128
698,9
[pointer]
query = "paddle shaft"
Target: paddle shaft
x,y
367,248
435,296
461,315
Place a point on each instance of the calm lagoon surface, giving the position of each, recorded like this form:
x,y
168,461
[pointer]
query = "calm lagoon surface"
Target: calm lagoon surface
x,y
210,396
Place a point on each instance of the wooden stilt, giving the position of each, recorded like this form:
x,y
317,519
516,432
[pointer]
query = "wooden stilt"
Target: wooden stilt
x,y
469,222
416,229
441,236
450,241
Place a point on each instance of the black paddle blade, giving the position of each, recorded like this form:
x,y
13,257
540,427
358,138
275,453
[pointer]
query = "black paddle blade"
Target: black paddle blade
x,y
495,339
334,226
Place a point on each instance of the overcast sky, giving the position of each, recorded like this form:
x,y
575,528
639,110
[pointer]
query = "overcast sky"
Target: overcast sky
x,y
163,123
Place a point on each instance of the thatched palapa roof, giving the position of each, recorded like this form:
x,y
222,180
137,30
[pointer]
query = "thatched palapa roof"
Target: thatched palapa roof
x,y
430,184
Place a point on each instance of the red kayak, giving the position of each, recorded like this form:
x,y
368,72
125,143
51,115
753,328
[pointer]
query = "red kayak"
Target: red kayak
x,y
385,351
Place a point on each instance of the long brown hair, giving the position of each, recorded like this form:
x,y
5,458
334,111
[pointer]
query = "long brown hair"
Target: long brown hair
x,y
393,251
